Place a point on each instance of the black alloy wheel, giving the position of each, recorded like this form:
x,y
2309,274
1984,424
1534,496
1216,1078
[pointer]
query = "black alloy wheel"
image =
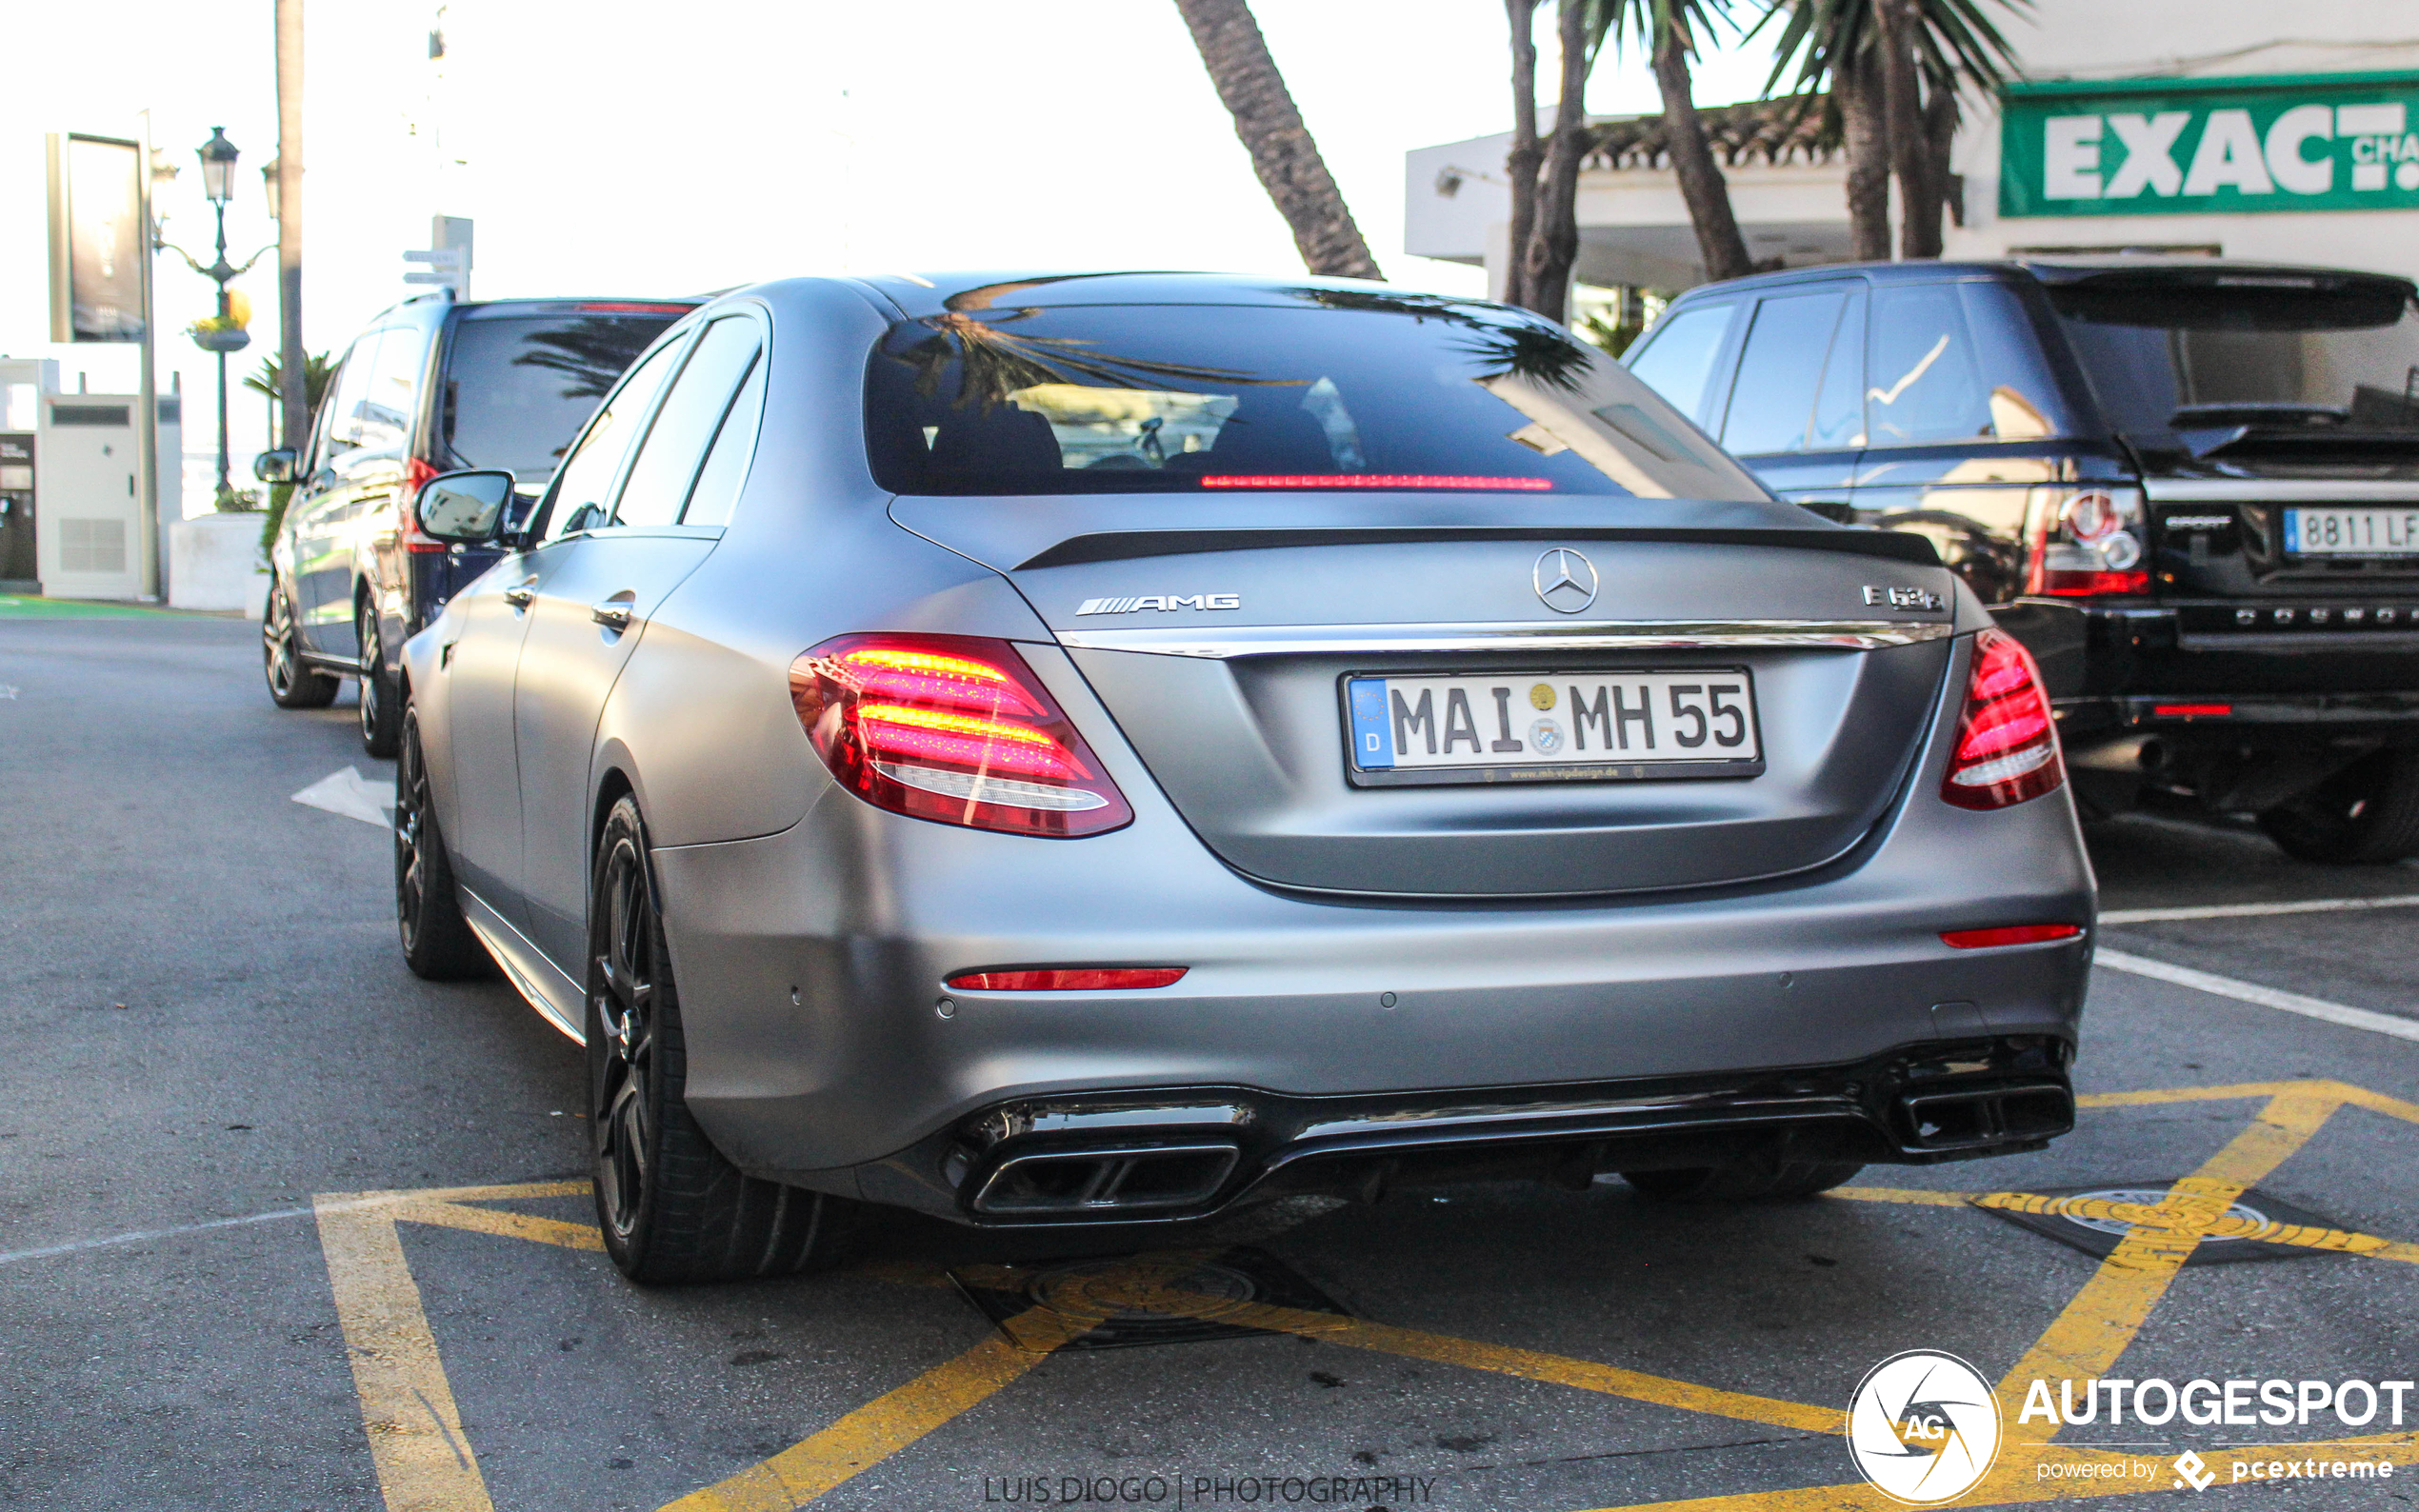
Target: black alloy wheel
x,y
2366,815
380,701
292,682
438,943
673,1208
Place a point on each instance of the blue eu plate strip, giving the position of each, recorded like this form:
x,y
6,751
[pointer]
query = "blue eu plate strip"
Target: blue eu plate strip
x,y
1372,733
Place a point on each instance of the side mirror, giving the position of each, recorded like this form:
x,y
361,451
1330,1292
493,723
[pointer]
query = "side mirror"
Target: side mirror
x,y
466,507
275,467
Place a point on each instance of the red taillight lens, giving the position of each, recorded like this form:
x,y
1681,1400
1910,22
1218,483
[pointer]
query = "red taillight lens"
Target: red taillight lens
x,y
2007,740
415,475
2013,934
952,728
2087,544
1067,978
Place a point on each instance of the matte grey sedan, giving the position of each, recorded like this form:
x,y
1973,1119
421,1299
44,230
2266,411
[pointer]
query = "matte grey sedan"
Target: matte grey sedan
x,y
1089,749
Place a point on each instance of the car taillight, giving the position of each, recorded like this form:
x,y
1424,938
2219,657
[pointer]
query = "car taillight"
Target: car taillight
x,y
415,475
2087,544
1067,978
2008,934
2007,740
954,728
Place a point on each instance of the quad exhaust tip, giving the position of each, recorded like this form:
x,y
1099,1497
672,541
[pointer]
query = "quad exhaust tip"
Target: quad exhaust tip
x,y
1103,1182
1980,1117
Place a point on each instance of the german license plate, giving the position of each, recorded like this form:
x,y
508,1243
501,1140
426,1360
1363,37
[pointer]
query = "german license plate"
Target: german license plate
x,y
2353,532
1553,726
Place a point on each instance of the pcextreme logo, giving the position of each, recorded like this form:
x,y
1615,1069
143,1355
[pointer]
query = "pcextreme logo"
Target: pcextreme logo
x,y
1924,1427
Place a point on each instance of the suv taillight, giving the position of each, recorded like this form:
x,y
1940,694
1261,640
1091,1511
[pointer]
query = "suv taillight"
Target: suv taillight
x,y
954,728
2007,740
2087,543
415,475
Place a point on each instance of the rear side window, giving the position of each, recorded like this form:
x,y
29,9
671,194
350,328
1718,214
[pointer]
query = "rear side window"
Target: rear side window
x,y
1957,361
1781,371
658,482
348,403
1678,359
718,482
582,494
517,387
386,408
1342,390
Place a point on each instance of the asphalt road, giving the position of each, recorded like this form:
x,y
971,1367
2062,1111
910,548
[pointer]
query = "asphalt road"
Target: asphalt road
x,y
205,1027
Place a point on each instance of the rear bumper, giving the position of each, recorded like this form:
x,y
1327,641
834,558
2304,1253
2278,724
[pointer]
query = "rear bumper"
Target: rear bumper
x,y
1186,1152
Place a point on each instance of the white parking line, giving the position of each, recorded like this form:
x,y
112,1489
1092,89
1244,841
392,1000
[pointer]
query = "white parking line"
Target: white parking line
x,y
140,1236
2254,910
350,794
2254,992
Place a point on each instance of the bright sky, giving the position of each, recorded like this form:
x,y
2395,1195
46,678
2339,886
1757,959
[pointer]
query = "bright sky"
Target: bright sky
x,y
657,150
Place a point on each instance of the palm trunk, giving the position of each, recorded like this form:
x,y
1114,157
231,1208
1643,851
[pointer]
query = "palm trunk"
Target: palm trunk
x,y
1553,248
1522,163
1897,25
293,400
1702,187
1856,88
1940,134
1271,127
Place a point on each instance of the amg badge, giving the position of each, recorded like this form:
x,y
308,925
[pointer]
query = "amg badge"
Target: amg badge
x,y
1169,602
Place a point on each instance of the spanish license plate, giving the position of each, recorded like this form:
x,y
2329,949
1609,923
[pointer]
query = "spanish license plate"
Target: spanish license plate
x,y
1553,726
2393,531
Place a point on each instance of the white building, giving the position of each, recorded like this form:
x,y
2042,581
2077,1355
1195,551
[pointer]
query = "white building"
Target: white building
x,y
2221,127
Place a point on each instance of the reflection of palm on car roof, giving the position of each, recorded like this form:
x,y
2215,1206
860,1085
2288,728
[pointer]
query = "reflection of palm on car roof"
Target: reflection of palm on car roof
x,y
921,781
433,386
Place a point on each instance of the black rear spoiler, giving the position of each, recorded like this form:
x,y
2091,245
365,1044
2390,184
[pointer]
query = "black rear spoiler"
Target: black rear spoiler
x,y
1113,546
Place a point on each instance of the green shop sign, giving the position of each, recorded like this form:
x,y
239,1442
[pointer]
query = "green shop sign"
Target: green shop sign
x,y
2229,145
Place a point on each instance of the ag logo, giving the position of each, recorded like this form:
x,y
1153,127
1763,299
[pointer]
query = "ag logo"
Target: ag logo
x,y
1924,1427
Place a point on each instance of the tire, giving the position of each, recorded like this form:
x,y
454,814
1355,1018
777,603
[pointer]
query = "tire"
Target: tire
x,y
2366,815
671,1207
292,682
1749,1182
438,942
381,700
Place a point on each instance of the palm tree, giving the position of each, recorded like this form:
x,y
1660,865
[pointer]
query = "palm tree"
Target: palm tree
x,y
1895,68
1270,126
1670,30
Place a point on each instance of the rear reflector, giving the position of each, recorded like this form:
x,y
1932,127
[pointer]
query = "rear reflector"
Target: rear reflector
x,y
951,729
2192,710
1067,978
2007,742
1370,480
2013,934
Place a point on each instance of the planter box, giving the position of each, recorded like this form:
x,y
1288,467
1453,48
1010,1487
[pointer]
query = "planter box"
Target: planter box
x,y
213,563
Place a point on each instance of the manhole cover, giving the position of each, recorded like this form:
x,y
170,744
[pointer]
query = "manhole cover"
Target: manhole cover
x,y
1128,1301
2091,1218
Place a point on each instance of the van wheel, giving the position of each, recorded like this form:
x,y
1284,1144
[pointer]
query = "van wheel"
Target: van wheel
x,y
1743,1183
292,682
380,701
2363,816
671,1207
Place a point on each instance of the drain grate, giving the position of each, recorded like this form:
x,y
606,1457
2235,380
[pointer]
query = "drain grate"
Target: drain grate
x,y
2082,1217
1166,1297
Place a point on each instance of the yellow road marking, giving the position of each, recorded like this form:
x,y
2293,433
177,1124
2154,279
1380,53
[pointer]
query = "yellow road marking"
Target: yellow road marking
x,y
1899,1194
883,1426
2096,1326
424,1461
509,1225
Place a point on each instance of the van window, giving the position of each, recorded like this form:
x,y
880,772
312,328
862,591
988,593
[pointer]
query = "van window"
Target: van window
x,y
675,444
519,385
346,403
1780,370
1677,358
389,402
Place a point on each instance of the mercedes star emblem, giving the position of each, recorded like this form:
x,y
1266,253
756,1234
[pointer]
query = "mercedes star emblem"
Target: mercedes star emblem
x,y
1565,580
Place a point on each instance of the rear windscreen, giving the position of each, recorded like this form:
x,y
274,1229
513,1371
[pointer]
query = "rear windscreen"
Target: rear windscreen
x,y
2248,351
1346,390
518,387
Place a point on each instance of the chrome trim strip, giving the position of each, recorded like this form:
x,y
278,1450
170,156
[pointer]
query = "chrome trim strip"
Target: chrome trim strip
x,y
2278,490
1611,635
526,966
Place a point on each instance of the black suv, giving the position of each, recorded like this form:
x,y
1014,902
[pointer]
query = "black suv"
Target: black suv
x,y
2190,486
432,387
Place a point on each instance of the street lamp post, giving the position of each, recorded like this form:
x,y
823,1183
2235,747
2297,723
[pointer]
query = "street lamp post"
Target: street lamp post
x,y
219,185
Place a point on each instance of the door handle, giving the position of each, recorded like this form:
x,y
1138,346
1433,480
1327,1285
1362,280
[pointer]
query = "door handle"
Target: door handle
x,y
522,595
613,613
